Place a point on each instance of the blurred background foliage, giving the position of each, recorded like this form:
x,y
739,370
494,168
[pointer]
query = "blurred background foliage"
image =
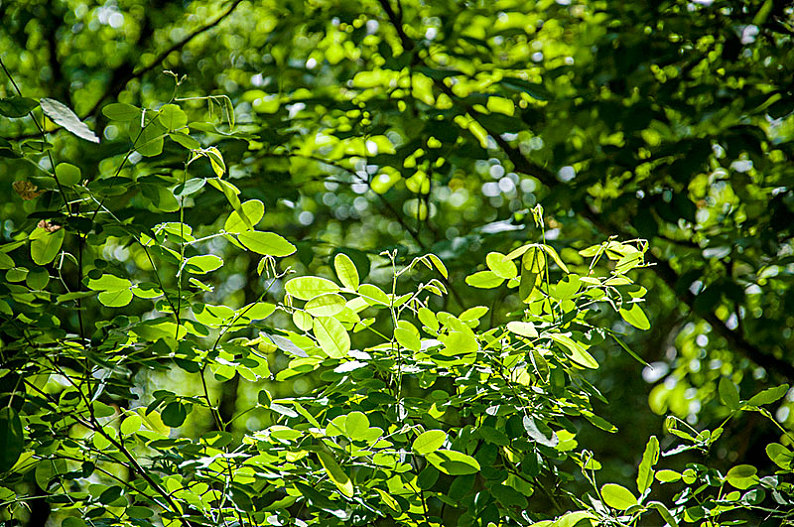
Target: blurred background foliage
x,y
435,126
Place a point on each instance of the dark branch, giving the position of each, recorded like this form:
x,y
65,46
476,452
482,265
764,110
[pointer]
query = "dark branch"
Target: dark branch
x,y
121,80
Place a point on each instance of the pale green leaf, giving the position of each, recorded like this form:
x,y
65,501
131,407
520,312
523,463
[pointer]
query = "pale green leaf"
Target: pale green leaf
x,y
332,337
429,441
308,287
68,175
500,266
649,459
119,111
45,246
346,271
635,316
617,496
325,305
336,474
251,212
203,264
267,243
453,463
63,116
484,280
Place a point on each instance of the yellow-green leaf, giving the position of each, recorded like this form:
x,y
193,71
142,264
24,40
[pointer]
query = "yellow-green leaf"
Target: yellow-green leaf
x,y
346,271
336,474
617,496
332,337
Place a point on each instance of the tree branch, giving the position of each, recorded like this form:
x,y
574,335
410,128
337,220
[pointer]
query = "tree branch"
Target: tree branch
x,y
122,80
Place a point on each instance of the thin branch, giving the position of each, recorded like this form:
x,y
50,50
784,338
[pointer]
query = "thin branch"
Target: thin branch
x,y
160,58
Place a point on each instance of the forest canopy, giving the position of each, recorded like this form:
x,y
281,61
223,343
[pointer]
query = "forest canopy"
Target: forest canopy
x,y
392,262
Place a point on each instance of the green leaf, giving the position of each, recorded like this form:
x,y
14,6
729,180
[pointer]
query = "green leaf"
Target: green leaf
x,y
439,265
668,476
185,140
68,174
336,474
373,295
216,160
556,257
429,441
628,262
38,278
6,262
484,280
308,287
500,266
119,111
578,353
257,311
139,512
332,337
768,396
44,246
742,476
407,336
267,243
65,117
252,211
172,117
729,394
356,426
780,455
148,140
527,284
203,264
15,107
110,495
12,439
617,496
525,329
453,463
325,305
649,459
635,316
109,282
664,512
116,298
388,500
131,424
346,271
174,414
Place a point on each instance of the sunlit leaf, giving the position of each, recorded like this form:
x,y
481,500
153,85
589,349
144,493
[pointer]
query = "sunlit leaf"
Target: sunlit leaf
x,y
63,116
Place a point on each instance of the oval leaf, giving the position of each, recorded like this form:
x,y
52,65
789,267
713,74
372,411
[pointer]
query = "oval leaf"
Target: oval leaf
x,y
251,212
332,337
65,117
346,271
429,441
325,305
636,317
617,496
267,243
453,463
484,280
308,287
44,246
337,475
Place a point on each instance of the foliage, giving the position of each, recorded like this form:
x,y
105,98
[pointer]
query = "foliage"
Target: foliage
x,y
159,364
